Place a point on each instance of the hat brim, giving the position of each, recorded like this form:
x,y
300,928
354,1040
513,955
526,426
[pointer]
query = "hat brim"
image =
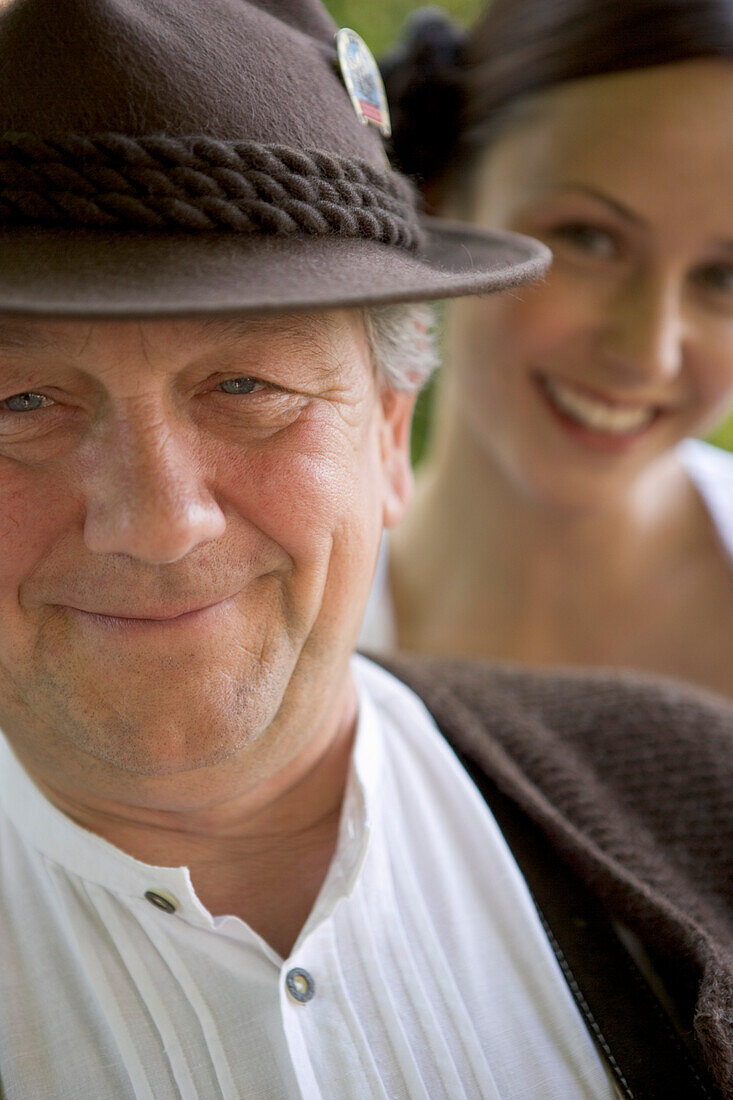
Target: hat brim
x,y
74,273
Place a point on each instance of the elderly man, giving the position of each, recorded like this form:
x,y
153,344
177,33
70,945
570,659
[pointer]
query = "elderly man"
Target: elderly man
x,y
236,861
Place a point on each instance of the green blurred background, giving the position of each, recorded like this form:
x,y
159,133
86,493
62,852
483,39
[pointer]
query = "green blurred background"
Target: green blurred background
x,y
378,22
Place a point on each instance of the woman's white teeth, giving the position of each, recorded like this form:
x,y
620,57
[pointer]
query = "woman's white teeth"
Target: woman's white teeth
x,y
594,413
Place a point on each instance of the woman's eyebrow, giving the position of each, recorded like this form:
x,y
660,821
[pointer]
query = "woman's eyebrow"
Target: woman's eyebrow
x,y
601,196
723,243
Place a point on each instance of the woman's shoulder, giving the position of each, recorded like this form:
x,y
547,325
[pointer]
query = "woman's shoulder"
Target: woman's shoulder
x,y
711,470
705,459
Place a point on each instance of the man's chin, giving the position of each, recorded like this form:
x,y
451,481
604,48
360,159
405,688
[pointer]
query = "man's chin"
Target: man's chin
x,y
166,751
181,739
164,720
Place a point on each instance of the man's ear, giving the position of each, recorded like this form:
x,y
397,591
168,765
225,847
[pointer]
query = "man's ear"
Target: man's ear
x,y
397,409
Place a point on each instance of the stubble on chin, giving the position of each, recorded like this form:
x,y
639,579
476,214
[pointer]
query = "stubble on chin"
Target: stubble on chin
x,y
143,716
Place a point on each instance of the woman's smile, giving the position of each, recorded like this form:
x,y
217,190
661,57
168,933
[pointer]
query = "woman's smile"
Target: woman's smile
x,y
591,418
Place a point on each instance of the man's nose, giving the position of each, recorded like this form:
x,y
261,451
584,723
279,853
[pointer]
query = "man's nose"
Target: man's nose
x,y
147,495
645,337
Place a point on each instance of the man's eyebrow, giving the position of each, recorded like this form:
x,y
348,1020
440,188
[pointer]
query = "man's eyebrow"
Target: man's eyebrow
x,y
312,330
21,336
294,325
601,196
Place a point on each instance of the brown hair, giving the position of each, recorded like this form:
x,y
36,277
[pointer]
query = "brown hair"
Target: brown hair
x,y
452,91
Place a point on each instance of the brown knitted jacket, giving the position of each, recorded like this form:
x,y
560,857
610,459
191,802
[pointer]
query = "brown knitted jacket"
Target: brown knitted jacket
x,y
632,782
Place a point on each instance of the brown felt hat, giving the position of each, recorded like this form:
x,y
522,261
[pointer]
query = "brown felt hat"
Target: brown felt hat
x,y
170,157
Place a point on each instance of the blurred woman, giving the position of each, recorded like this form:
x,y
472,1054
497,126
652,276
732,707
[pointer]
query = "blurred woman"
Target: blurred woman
x,y
564,514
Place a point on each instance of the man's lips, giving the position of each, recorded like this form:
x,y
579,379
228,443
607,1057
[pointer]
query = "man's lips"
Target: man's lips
x,y
149,614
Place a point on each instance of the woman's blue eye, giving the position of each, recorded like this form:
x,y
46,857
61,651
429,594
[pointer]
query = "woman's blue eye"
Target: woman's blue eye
x,y
24,402
596,242
238,385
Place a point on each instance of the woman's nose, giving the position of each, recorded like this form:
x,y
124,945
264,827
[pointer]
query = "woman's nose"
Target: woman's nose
x,y
646,334
147,496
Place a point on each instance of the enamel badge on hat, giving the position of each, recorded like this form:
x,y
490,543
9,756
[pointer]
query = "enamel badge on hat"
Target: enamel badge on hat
x,y
363,80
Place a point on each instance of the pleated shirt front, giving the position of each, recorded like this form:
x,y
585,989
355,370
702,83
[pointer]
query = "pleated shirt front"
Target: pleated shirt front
x,y
423,971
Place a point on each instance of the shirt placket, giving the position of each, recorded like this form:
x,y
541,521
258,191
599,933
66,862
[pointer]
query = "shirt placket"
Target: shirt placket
x,y
327,1045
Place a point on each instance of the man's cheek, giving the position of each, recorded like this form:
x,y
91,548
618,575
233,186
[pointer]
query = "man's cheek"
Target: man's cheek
x,y
292,495
35,514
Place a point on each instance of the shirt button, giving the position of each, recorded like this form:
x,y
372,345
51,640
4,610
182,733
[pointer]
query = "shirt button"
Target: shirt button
x,y
300,985
161,899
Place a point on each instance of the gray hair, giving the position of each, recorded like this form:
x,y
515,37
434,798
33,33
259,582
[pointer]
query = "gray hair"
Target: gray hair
x,y
403,343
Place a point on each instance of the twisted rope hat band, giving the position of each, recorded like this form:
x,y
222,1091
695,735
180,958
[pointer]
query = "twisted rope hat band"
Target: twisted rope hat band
x,y
200,183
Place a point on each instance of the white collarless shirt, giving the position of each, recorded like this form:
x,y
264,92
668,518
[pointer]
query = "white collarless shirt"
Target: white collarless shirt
x,y
427,969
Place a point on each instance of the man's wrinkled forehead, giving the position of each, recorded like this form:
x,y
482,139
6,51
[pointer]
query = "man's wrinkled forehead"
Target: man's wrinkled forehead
x,y
40,334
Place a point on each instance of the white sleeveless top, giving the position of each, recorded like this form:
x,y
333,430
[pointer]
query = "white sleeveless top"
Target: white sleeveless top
x,y
710,469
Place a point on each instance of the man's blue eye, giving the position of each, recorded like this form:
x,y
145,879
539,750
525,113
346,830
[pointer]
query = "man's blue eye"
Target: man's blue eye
x,y
24,402
238,385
